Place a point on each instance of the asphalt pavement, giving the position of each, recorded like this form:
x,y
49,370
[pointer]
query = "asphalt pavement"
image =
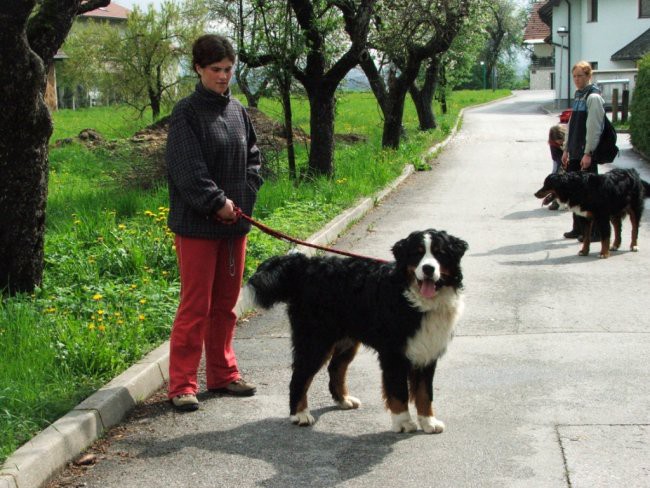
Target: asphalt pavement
x,y
544,385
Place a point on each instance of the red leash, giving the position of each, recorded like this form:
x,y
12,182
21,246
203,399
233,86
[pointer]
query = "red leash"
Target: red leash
x,y
285,237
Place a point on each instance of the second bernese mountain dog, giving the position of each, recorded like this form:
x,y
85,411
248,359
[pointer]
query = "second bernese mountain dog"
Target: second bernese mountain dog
x,y
405,310
600,198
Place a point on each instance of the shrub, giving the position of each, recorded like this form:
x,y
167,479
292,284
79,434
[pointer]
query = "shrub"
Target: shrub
x,y
640,108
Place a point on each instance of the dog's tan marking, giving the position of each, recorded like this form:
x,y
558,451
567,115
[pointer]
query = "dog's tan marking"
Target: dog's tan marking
x,y
337,369
302,403
421,398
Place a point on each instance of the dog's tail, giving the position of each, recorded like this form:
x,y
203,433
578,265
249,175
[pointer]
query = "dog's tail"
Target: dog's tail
x,y
276,279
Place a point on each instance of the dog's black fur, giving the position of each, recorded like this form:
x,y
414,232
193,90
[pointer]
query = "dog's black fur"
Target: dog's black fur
x,y
601,199
336,304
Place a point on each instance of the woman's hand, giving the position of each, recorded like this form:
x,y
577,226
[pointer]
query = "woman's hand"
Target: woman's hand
x,y
585,162
226,214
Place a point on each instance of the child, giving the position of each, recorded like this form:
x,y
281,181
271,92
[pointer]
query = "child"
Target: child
x,y
556,142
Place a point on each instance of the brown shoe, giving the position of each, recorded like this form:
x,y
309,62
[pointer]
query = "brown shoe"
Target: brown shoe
x,y
237,388
185,403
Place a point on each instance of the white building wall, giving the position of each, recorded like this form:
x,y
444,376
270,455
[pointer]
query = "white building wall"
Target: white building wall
x,y
618,24
540,78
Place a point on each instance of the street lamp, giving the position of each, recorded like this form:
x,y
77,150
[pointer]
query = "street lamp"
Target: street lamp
x,y
562,31
484,77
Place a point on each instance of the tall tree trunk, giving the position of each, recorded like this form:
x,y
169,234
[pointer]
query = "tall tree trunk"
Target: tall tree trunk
x,y
285,93
376,81
393,129
25,128
443,89
154,100
321,119
423,97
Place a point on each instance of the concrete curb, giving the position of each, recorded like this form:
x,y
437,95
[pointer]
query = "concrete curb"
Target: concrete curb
x,y
38,460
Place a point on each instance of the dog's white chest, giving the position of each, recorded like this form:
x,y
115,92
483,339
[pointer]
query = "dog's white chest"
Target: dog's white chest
x,y
578,211
430,341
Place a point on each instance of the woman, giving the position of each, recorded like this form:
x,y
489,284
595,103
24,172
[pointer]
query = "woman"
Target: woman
x,y
213,166
583,132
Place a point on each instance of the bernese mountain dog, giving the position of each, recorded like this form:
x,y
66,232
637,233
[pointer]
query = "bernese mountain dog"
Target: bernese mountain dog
x,y
405,310
601,199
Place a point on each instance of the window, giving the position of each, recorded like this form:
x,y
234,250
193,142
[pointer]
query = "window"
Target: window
x,y
594,65
592,13
644,8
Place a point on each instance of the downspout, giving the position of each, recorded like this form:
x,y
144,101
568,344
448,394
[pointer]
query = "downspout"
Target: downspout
x,y
568,57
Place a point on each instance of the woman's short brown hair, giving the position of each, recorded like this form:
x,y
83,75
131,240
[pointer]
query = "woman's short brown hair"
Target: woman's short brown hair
x,y
211,48
583,66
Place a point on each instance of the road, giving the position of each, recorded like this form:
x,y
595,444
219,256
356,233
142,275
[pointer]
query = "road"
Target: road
x,y
544,385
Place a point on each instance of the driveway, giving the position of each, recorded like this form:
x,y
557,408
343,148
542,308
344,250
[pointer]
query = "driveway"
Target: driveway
x,y
544,385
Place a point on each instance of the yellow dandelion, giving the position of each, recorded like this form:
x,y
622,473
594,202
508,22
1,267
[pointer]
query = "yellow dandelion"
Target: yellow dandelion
x,y
120,322
165,273
141,317
133,287
77,222
143,301
117,314
101,328
91,326
97,296
100,312
121,226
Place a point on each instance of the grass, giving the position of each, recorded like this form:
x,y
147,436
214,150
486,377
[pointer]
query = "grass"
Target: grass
x,y
110,285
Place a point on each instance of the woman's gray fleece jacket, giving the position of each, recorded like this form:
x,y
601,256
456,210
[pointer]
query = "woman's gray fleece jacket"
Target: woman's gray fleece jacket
x,y
211,155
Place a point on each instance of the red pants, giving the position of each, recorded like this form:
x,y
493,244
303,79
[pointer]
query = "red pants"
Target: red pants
x,y
211,275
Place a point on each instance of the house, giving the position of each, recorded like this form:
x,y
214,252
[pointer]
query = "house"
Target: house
x,y
114,14
536,35
611,34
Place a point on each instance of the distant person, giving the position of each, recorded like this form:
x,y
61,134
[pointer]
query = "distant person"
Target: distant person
x,y
583,133
213,164
556,136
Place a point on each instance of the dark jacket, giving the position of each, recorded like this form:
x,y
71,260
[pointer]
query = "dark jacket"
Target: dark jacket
x,y
586,122
211,155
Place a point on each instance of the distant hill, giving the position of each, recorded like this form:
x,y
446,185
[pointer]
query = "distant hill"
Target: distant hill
x,y
355,80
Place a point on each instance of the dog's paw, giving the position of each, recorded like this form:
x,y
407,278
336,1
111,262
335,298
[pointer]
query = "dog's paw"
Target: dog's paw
x,y
583,253
431,425
302,418
603,256
402,423
634,248
349,403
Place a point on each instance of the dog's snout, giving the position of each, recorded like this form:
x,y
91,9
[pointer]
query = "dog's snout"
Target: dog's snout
x,y
428,270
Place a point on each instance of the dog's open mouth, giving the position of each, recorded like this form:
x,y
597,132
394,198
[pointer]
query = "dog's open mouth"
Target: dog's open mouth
x,y
427,288
548,199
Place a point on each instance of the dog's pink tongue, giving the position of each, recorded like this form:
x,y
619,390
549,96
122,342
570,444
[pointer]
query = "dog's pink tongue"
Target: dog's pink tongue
x,y
428,289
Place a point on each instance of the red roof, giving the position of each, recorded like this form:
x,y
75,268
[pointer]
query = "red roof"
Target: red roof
x,y
536,30
111,11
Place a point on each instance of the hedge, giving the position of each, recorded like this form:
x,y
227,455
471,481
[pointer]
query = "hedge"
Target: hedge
x,y
640,108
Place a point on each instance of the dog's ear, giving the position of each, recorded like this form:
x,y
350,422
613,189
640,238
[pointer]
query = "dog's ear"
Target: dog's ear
x,y
458,246
399,250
